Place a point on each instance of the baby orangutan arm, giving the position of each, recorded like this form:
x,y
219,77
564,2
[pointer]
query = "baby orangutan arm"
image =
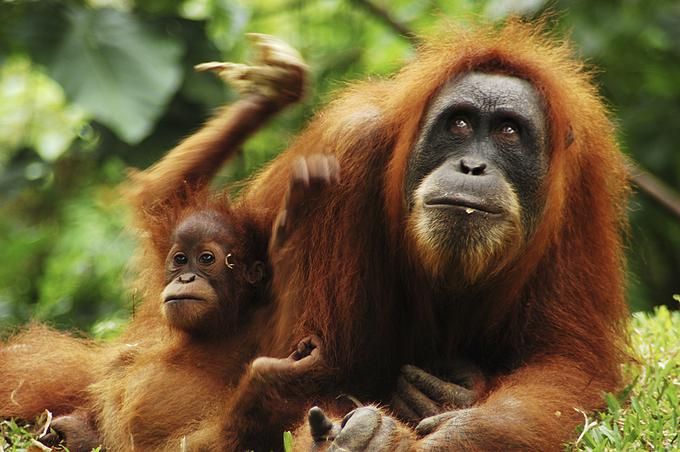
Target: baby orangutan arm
x,y
269,394
276,79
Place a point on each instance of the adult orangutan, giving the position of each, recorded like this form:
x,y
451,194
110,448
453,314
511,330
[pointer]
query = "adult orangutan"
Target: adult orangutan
x,y
478,218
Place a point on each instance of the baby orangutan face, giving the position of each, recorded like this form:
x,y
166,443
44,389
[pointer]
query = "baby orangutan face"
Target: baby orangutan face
x,y
207,281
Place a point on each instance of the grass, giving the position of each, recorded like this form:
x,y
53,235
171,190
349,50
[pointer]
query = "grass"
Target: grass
x,y
646,416
18,436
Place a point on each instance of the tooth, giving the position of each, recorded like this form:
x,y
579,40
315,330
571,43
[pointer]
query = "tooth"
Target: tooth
x,y
469,210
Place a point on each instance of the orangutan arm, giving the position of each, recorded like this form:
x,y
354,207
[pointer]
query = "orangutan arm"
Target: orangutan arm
x,y
277,79
533,408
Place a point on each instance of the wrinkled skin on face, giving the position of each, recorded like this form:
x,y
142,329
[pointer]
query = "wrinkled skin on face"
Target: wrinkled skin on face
x,y
205,275
474,175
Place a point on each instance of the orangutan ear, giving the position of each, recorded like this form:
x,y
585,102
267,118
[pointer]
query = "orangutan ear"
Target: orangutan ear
x,y
255,273
569,138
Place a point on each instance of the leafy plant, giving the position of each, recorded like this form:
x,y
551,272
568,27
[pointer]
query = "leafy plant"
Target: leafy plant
x,y
646,415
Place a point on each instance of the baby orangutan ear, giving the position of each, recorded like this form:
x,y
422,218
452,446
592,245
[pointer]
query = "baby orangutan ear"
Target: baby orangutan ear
x,y
569,138
255,273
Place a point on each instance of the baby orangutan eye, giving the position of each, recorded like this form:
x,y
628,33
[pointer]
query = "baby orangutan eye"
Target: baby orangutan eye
x,y
206,258
180,259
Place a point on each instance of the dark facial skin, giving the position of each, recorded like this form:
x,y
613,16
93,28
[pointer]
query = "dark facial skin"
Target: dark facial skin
x,y
204,287
474,174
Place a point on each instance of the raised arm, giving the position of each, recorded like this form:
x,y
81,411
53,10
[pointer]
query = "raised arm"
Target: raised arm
x,y
275,80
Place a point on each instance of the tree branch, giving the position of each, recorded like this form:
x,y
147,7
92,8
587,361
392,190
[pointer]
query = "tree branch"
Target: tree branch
x,y
654,188
385,17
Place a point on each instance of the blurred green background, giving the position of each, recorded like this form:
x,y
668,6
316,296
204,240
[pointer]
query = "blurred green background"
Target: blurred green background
x,y
90,88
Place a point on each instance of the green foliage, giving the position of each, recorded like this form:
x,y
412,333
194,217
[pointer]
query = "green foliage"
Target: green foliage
x,y
90,87
15,437
29,94
81,256
21,436
646,416
117,50
78,270
287,441
635,47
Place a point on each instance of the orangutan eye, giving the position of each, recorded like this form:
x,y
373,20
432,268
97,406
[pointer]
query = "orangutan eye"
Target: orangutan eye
x,y
509,129
460,127
206,258
180,259
460,124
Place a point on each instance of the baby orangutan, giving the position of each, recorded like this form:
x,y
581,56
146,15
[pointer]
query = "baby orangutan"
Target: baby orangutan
x,y
205,290
189,387
185,383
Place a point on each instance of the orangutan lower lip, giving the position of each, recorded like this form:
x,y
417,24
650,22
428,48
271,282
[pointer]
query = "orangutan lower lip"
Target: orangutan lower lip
x,y
466,204
178,298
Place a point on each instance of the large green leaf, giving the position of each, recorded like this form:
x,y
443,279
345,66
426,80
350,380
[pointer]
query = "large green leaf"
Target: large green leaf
x,y
119,69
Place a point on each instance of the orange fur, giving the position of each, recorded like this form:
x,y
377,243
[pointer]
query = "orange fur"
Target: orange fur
x,y
157,388
56,368
173,390
45,369
547,326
